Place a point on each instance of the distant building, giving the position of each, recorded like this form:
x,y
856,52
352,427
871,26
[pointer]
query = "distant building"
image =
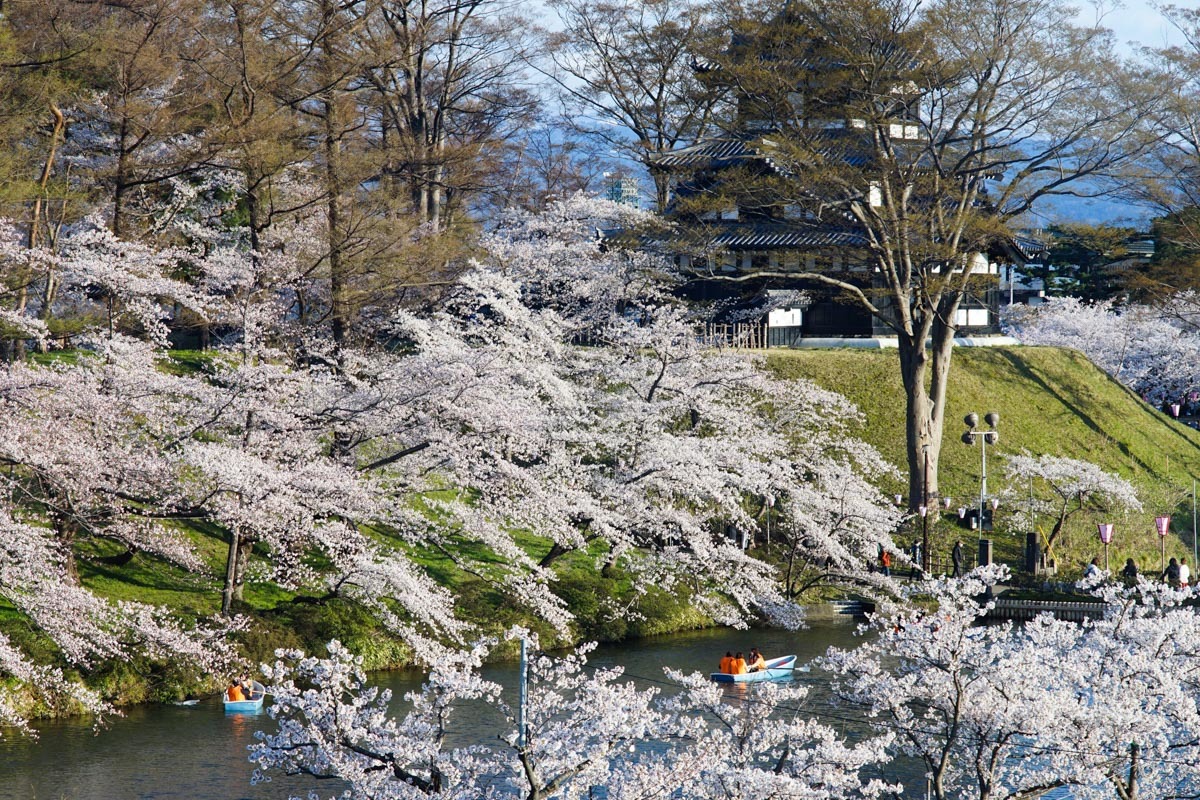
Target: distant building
x,y
622,189
1138,253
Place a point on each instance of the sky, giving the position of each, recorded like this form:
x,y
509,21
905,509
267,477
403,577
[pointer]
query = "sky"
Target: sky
x,y
1137,21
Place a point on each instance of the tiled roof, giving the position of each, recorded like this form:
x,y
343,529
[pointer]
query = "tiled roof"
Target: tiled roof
x,y
769,237
1143,248
710,152
834,144
1028,247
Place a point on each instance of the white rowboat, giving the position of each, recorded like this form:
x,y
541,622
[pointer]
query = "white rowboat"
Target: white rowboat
x,y
258,692
777,668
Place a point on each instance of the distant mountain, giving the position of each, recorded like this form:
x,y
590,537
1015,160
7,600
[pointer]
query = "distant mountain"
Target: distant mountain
x,y
1092,211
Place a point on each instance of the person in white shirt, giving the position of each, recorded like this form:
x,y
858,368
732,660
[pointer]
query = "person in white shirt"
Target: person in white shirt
x,y
1185,573
1093,569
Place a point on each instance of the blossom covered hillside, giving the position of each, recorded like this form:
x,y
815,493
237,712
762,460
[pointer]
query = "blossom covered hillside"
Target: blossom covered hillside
x,y
480,431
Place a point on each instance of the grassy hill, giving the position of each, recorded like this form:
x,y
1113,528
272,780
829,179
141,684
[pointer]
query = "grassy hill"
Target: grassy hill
x,y
1050,400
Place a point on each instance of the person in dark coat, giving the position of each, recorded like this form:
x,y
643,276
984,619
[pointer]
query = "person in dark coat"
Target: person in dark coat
x,y
1130,571
956,555
1171,574
915,552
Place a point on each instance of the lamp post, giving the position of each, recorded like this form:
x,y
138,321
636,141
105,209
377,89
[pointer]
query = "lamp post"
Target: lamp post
x,y
985,437
1106,533
1163,525
925,513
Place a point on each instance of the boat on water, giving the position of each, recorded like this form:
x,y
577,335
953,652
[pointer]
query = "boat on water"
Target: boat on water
x,y
258,693
777,668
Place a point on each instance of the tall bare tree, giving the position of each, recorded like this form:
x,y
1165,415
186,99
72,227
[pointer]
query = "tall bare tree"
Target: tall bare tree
x,y
1169,181
626,74
448,93
925,131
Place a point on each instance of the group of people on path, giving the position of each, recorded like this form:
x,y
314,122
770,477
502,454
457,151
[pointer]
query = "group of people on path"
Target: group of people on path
x,y
1177,573
739,665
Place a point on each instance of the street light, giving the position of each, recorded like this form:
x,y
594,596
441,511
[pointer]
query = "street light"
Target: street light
x,y
925,513
990,436
1163,525
1106,533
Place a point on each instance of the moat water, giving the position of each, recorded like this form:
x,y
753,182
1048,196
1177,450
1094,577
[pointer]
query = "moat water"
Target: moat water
x,y
199,752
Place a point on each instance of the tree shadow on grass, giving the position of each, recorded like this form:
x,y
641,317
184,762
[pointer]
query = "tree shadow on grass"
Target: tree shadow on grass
x,y
1071,404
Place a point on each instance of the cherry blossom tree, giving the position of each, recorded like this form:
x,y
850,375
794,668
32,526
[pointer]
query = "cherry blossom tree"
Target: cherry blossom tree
x,y
557,391
85,628
1074,486
584,726
766,746
969,701
1106,707
646,441
1155,351
1135,723
87,449
332,725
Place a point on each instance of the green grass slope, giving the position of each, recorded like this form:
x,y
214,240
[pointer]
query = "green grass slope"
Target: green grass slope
x,y
1050,400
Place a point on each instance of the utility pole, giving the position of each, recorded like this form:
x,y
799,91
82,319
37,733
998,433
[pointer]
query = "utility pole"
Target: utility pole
x,y
522,698
925,513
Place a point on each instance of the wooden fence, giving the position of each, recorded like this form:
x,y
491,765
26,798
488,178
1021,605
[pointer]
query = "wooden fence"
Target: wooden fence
x,y
742,335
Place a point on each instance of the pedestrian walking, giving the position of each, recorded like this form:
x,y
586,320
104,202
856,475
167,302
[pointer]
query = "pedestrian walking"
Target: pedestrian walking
x,y
956,556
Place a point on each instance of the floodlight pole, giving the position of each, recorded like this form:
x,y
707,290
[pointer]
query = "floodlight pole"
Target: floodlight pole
x,y
925,514
985,437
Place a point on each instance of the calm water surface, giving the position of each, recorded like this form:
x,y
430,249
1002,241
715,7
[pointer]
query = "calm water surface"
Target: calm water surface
x,y
199,752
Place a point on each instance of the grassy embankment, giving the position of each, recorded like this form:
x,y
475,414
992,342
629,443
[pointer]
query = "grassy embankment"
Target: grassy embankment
x,y
1050,401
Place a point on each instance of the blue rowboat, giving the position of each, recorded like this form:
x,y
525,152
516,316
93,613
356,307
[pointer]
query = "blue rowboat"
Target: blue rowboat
x,y
777,668
258,693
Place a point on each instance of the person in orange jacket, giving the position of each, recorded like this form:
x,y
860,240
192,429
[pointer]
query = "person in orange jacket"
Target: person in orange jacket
x,y
727,663
739,664
234,693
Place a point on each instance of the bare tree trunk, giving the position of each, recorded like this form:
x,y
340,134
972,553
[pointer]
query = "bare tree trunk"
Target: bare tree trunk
x,y
227,591
50,289
662,189
65,530
244,549
1128,789
919,419
338,308
121,181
